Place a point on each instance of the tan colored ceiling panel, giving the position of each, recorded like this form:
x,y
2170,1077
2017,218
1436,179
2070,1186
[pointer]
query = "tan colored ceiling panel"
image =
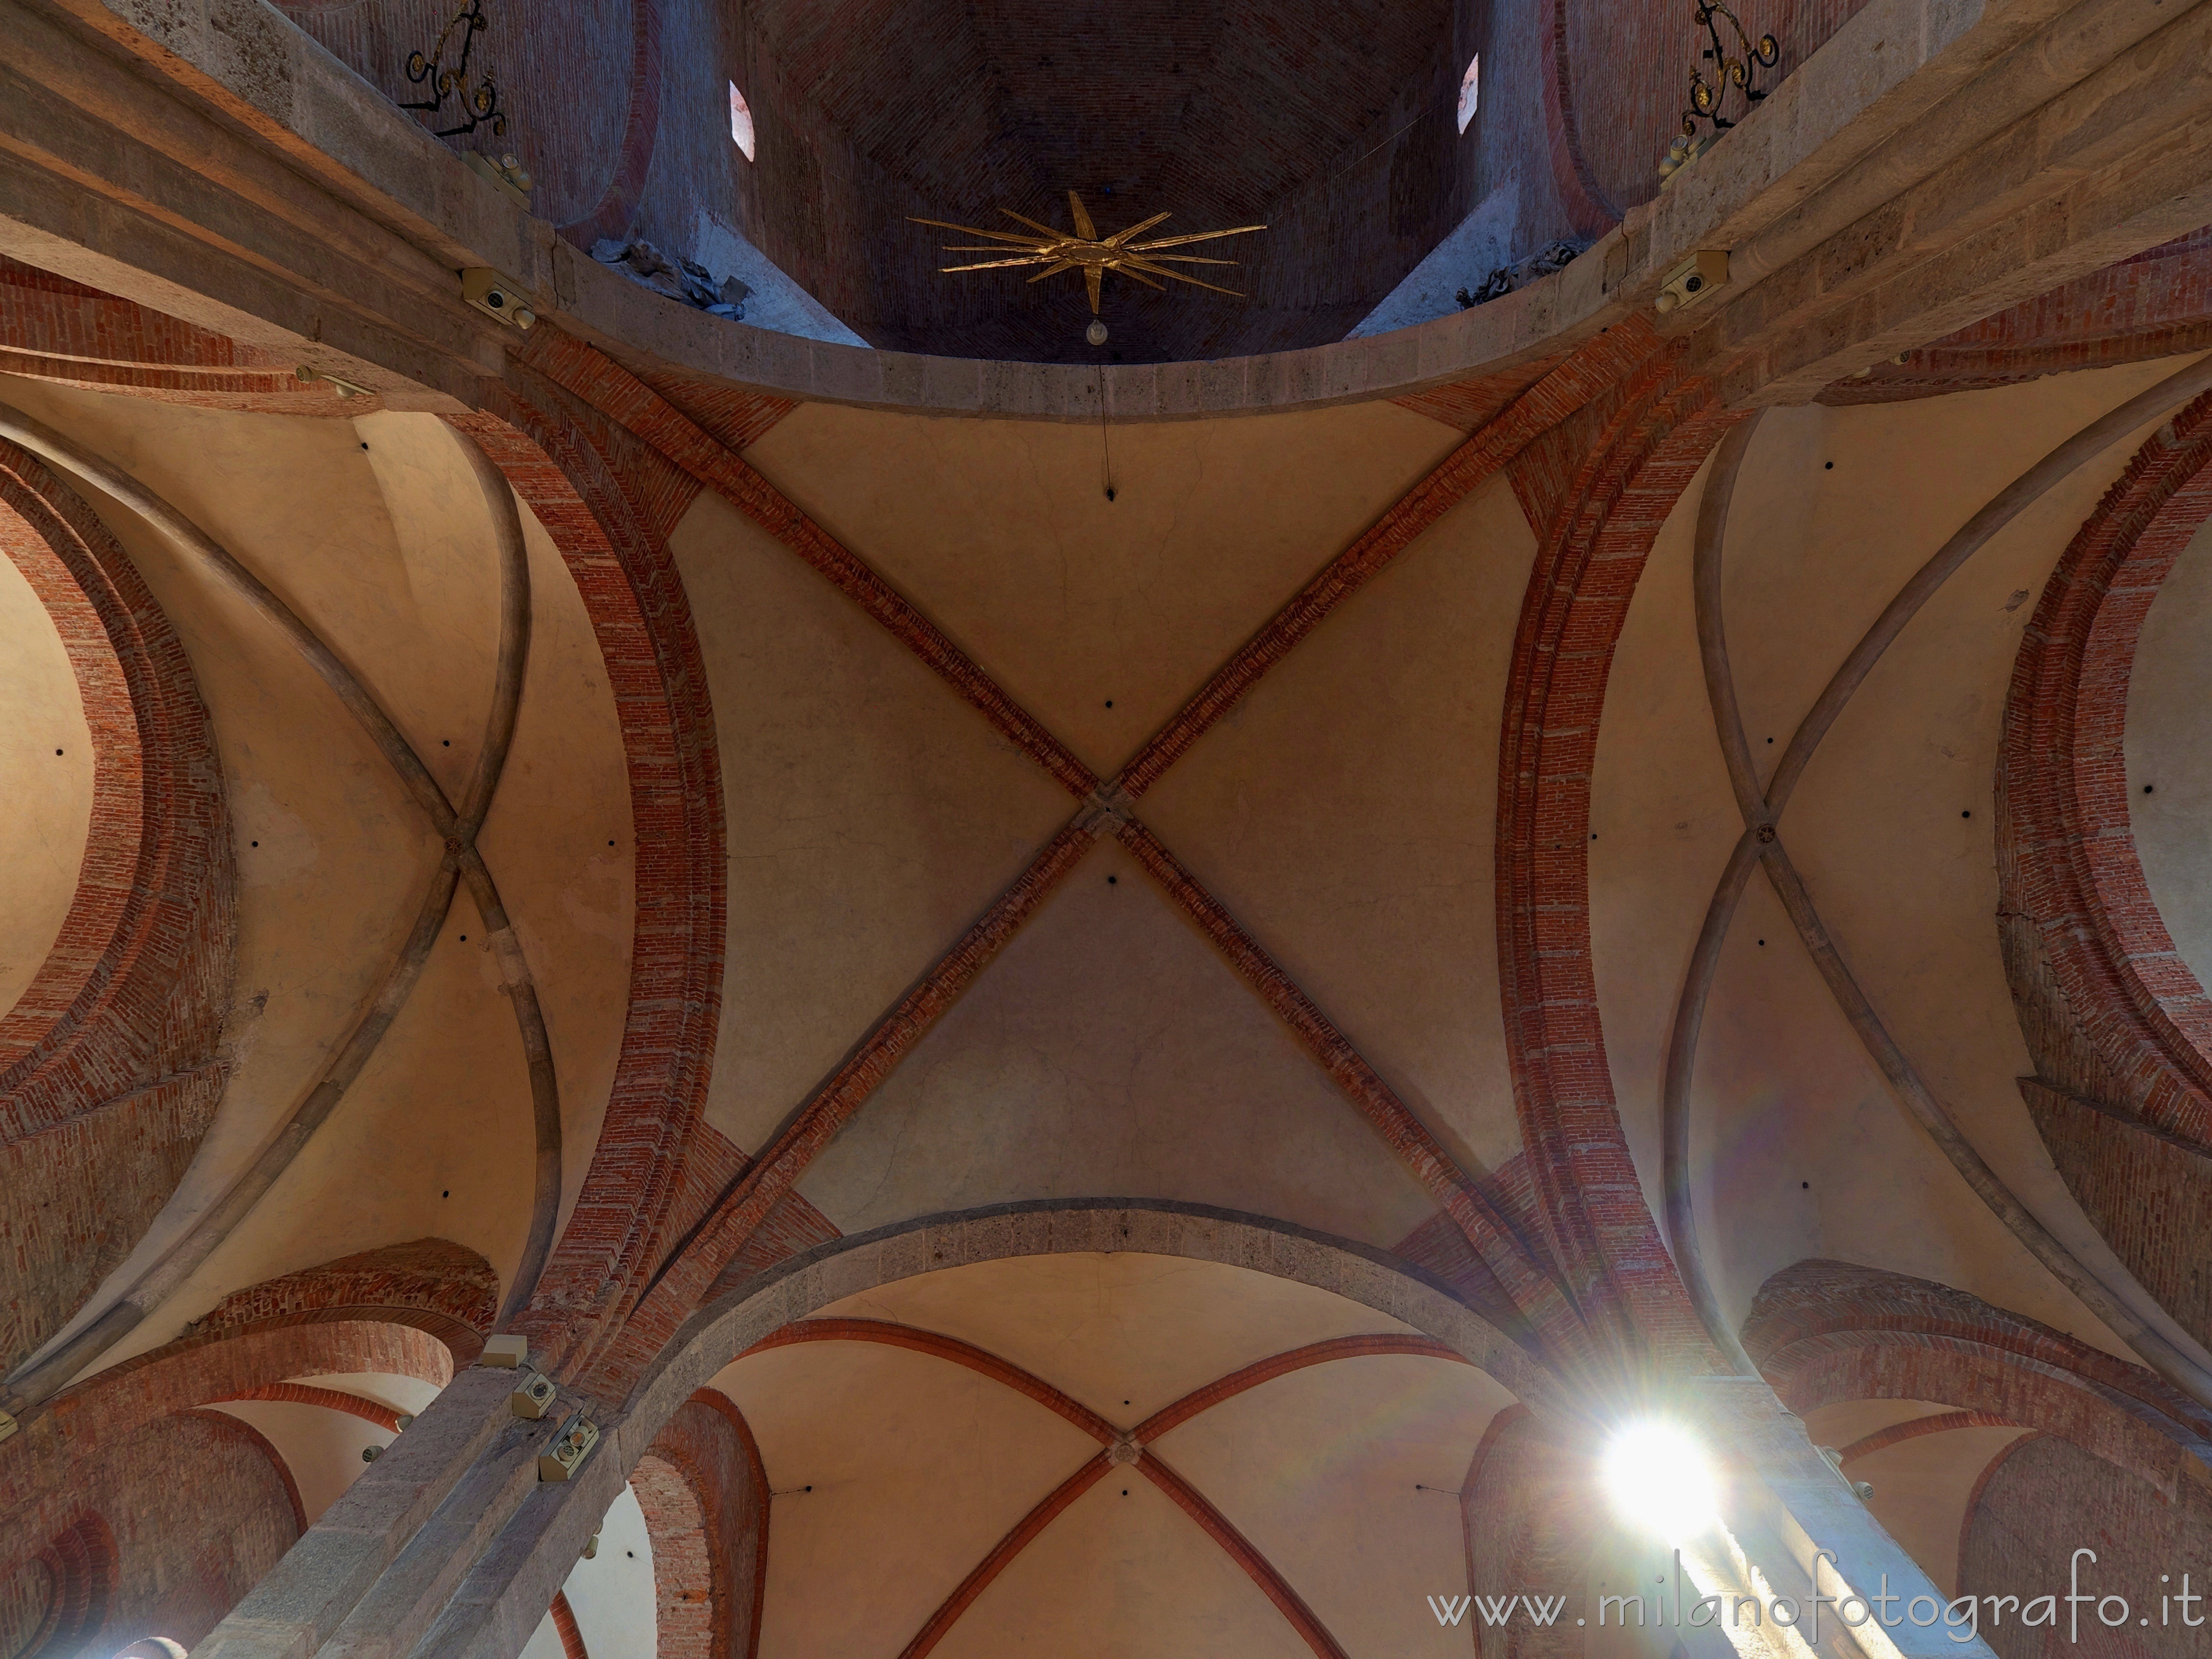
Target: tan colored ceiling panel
x,y
872,814
1109,1051
1000,530
46,778
918,1466
1346,814
1122,1575
1798,1147
1126,1335
1322,1470
2169,753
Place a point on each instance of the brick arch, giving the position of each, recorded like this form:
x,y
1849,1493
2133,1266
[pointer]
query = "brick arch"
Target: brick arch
x,y
1596,489
109,1066
1826,1332
1527,1519
2110,1010
568,471
704,1493
54,1602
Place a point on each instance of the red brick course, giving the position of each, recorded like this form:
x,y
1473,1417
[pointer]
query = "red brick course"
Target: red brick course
x,y
2045,1497
619,1228
705,1495
2105,975
109,1072
1826,1332
1633,451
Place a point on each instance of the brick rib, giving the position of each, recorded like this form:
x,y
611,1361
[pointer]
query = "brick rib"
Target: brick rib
x,y
1282,1365
1002,1554
1942,1423
335,1400
1592,367
1515,1268
1246,1554
1649,442
564,1621
2063,790
621,396
695,1260
938,1346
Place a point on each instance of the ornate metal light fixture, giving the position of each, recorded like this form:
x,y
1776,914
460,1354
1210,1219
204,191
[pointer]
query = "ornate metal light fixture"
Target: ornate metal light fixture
x,y
479,104
1706,97
1087,251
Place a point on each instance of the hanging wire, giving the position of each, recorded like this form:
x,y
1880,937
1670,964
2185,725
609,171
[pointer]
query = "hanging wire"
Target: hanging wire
x,y
1105,447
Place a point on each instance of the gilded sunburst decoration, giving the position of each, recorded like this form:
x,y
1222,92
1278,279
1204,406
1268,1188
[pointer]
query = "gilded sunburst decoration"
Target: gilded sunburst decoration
x,y
1087,251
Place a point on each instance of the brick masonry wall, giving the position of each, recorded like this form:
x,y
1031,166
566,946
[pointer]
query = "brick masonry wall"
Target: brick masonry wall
x,y
109,1067
1629,454
198,1507
705,1496
1826,1332
2120,1030
2048,1497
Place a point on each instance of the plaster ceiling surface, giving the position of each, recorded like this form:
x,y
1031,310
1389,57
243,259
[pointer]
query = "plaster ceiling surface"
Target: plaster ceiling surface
x,y
1920,1486
1109,1050
1798,1149
375,531
46,782
1001,533
2169,757
919,1465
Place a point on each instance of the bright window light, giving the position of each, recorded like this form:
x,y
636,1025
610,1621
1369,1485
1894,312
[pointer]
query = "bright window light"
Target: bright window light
x,y
1467,90
1659,1479
741,121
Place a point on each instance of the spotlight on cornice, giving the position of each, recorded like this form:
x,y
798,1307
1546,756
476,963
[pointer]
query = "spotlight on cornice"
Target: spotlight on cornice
x,y
1659,1478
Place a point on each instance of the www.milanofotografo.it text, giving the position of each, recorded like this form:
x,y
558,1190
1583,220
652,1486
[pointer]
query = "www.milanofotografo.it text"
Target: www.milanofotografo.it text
x,y
1962,1617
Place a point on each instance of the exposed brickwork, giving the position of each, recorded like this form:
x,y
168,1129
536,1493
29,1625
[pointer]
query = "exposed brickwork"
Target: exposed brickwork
x,y
1643,440
2048,1497
109,1073
564,1624
1898,1433
2151,1200
619,1227
605,385
330,1400
1528,1523
705,1495
52,329
1625,78
1823,1331
792,1225
54,1602
2109,1008
2157,304
197,1506
1282,1365
440,1287
1471,404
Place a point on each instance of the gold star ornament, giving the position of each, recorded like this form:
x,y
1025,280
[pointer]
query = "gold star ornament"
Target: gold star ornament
x,y
1087,251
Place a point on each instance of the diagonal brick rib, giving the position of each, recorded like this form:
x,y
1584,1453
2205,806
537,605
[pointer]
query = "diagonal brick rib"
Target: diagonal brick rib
x,y
694,1261
1002,1554
1593,366
1522,1282
1941,1423
1240,1550
1282,1365
939,1347
1188,1497
306,1393
615,392
564,1621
